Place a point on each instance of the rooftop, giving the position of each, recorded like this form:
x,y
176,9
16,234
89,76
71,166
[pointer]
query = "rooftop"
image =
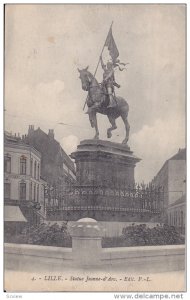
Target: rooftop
x,y
50,140
182,199
15,141
180,155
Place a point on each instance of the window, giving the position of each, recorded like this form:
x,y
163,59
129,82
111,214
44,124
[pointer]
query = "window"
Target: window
x,y
7,190
38,193
7,162
38,172
34,192
23,165
22,191
30,190
31,166
35,169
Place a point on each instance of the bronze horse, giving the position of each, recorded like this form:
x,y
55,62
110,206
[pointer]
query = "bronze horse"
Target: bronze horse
x,y
98,101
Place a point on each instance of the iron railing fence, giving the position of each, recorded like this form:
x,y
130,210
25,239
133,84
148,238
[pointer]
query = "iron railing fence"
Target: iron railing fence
x,y
139,198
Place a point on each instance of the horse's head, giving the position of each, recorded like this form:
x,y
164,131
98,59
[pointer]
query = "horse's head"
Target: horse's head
x,y
86,78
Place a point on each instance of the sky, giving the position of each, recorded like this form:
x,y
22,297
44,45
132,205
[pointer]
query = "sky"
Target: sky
x,y
44,46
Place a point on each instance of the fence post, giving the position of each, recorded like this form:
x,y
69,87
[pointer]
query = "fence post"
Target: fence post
x,y
86,236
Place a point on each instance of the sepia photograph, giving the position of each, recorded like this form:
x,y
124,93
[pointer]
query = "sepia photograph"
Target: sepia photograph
x,y
94,148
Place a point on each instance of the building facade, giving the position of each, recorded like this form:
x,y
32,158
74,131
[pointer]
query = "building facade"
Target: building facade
x,y
172,177
177,214
22,165
22,170
57,169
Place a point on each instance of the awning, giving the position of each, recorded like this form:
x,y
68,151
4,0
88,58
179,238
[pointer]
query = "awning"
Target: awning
x,y
13,214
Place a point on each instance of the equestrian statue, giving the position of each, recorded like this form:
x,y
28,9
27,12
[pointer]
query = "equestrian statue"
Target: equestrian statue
x,y
101,97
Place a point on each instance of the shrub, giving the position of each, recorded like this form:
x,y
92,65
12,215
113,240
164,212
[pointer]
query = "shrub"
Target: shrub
x,y
141,235
44,234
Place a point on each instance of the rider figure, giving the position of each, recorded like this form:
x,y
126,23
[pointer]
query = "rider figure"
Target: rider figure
x,y
109,81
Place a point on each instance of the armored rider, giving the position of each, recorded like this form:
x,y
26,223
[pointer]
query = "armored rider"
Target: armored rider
x,y
109,81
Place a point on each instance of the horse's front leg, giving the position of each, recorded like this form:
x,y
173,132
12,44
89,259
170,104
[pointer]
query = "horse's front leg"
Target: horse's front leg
x,y
96,127
93,122
127,128
113,126
91,118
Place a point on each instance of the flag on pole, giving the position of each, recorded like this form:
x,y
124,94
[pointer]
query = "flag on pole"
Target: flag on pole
x,y
110,43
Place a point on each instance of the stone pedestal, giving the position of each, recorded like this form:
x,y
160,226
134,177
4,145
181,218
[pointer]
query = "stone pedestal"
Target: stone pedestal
x,y
86,241
104,163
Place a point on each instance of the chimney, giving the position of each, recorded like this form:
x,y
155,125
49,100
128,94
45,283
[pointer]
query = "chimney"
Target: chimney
x,y
51,133
30,129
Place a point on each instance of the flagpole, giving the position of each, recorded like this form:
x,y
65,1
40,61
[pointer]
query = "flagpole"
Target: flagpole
x,y
98,61
102,51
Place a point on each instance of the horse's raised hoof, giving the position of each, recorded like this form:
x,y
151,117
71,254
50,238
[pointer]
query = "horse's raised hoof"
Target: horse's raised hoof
x,y
109,135
125,141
